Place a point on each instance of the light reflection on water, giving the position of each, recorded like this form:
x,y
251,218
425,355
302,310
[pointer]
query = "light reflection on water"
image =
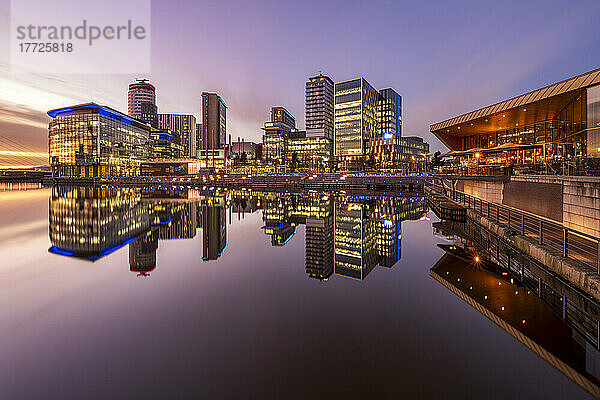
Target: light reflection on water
x,y
182,293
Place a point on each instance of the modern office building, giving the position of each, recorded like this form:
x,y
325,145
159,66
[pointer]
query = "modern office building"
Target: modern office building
x,y
183,127
355,117
214,122
553,129
141,102
149,114
319,106
165,145
389,115
364,116
89,140
314,153
276,135
283,144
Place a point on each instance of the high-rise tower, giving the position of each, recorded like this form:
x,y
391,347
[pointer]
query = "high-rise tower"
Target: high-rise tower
x,y
141,102
319,106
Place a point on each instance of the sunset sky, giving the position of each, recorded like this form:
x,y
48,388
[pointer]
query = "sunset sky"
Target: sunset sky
x,y
444,58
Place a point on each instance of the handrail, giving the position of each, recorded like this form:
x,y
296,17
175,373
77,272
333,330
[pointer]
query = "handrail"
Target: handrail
x,y
546,230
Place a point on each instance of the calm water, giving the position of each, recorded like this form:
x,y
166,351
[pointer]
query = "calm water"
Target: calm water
x,y
182,294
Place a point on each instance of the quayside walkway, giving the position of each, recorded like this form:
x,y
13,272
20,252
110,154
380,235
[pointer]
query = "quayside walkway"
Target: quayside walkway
x,y
572,254
328,182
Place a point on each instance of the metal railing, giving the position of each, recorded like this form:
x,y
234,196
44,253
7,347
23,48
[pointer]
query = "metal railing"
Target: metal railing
x,y
580,310
575,245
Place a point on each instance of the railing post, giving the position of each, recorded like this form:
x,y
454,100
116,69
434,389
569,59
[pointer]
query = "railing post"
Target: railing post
x,y
598,259
497,213
523,224
565,239
523,272
541,233
564,310
509,218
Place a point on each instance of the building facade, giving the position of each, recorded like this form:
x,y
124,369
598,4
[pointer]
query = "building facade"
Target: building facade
x,y
89,140
141,102
165,146
319,106
368,125
214,122
183,127
313,153
555,129
355,117
276,135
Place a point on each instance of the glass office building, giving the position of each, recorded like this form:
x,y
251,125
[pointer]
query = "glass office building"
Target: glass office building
x,y
367,123
90,140
277,131
183,127
311,152
355,118
389,115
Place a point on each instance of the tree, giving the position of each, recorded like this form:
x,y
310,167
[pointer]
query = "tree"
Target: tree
x,y
243,158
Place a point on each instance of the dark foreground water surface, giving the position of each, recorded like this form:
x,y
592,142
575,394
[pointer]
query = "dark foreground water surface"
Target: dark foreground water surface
x,y
109,293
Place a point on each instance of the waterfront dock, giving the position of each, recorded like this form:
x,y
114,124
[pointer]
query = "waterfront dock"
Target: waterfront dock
x,y
293,182
569,253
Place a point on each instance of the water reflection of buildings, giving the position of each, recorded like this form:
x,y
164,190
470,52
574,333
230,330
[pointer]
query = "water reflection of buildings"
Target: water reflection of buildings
x,y
368,232
355,238
142,252
214,232
347,235
557,322
92,222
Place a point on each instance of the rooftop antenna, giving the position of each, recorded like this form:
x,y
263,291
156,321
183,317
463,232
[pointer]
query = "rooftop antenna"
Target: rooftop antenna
x,y
142,80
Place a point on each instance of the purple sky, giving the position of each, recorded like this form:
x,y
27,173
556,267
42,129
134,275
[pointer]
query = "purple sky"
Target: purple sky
x,y
444,58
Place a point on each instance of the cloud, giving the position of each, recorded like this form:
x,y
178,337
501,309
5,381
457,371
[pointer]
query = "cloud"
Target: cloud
x,y
21,115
